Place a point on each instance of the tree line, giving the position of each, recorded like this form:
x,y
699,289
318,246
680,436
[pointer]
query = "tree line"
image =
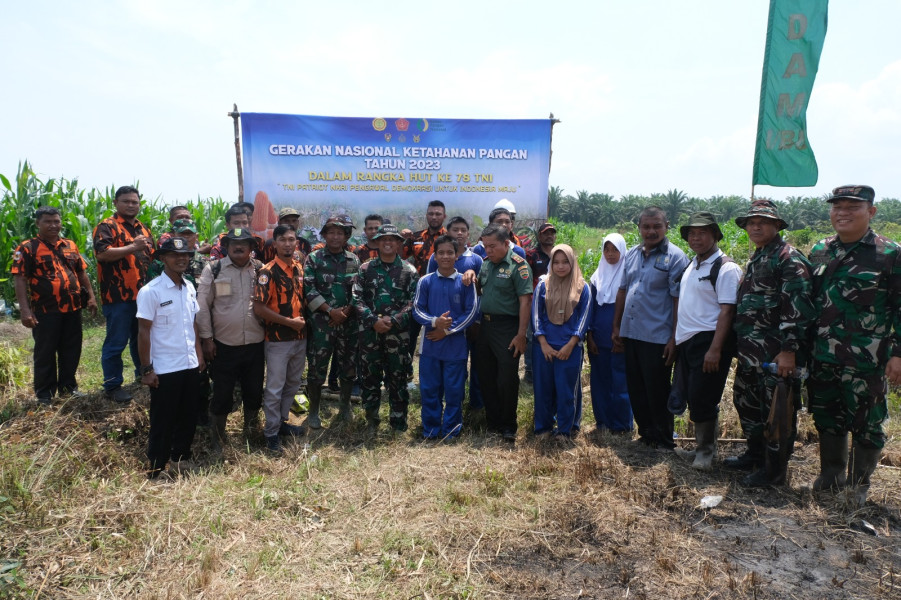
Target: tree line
x,y
603,210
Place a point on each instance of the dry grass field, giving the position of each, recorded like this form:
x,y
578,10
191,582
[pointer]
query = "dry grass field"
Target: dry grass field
x,y
396,517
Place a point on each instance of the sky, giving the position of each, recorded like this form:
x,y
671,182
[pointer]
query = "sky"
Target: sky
x,y
651,94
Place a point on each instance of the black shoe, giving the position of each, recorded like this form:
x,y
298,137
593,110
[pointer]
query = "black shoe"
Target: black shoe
x,y
118,395
509,436
744,462
44,400
291,430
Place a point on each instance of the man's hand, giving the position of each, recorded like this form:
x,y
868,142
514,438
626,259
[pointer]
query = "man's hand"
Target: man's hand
x,y
150,379
382,325
893,370
618,346
444,321
436,335
407,234
712,361
209,349
469,277
201,363
297,324
140,243
28,320
92,306
669,352
518,345
337,316
785,364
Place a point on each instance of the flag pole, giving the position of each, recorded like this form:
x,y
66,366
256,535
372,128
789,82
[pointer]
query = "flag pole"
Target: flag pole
x,y
236,116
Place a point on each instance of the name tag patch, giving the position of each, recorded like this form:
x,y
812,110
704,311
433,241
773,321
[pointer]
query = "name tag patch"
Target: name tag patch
x,y
166,303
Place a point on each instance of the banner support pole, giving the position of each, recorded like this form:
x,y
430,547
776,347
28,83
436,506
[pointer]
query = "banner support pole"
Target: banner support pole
x,y
236,116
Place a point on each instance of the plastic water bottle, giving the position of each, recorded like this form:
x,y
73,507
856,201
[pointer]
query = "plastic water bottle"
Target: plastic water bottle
x,y
799,372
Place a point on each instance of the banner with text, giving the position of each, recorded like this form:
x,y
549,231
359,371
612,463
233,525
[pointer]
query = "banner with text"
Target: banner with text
x,y
394,167
796,31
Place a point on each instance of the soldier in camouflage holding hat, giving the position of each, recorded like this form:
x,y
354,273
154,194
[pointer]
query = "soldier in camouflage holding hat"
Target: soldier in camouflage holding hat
x,y
856,340
383,297
328,285
772,315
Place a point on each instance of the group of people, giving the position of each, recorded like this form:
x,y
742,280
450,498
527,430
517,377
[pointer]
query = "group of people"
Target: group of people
x,y
262,313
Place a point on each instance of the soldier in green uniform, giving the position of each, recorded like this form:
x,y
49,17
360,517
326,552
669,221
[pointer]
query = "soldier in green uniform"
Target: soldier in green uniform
x,y
771,319
187,230
856,340
383,294
328,275
505,283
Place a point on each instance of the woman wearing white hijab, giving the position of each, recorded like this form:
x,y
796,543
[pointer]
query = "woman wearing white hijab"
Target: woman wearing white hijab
x,y
609,394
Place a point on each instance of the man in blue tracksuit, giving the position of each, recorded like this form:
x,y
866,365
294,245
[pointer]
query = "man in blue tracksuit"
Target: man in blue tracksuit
x,y
446,307
467,260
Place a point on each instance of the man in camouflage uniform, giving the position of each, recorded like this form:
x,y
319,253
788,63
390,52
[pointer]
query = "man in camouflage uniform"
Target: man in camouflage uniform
x,y
772,315
328,285
856,340
187,230
383,297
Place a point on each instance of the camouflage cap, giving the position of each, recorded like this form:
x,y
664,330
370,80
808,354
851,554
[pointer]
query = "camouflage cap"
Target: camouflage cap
x,y
287,212
387,230
174,244
860,193
702,219
184,226
237,235
762,208
338,220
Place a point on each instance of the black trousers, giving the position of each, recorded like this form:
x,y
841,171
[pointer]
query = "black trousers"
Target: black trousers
x,y
703,390
57,351
498,372
173,417
648,380
246,364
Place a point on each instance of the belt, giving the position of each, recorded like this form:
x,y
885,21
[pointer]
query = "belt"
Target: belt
x,y
497,317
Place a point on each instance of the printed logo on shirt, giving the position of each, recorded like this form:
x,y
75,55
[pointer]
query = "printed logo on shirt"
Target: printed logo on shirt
x,y
264,279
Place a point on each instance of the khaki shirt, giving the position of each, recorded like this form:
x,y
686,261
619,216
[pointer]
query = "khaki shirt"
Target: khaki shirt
x,y
226,305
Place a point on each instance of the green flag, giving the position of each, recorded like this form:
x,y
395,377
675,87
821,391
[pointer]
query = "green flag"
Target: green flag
x,y
795,34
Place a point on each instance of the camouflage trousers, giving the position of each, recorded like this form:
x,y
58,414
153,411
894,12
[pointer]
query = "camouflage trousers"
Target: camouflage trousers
x,y
752,394
386,357
326,340
844,399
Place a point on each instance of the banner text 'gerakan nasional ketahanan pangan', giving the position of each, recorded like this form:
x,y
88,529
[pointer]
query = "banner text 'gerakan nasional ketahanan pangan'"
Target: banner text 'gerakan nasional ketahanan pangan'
x,y
795,34
322,165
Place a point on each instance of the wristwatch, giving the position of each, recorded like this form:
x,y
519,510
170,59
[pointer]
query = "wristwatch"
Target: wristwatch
x,y
146,369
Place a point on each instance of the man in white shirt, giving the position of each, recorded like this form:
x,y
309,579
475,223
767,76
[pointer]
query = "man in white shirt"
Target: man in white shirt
x,y
171,358
705,341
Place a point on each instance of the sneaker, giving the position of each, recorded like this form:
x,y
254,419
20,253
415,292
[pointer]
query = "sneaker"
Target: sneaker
x,y
274,445
118,395
292,430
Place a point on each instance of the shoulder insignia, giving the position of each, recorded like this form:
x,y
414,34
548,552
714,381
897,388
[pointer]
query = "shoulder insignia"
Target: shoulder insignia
x,y
263,279
517,258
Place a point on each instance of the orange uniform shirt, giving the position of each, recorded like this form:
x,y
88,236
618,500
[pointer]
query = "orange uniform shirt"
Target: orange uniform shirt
x,y
280,287
421,248
120,280
52,274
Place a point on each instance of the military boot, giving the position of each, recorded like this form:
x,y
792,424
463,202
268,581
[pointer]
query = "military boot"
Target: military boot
x,y
705,433
833,460
345,412
862,465
372,421
752,457
774,473
218,436
315,394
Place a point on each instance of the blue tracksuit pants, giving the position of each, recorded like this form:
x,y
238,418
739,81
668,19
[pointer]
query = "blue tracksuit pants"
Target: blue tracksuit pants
x,y
558,391
609,393
439,378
